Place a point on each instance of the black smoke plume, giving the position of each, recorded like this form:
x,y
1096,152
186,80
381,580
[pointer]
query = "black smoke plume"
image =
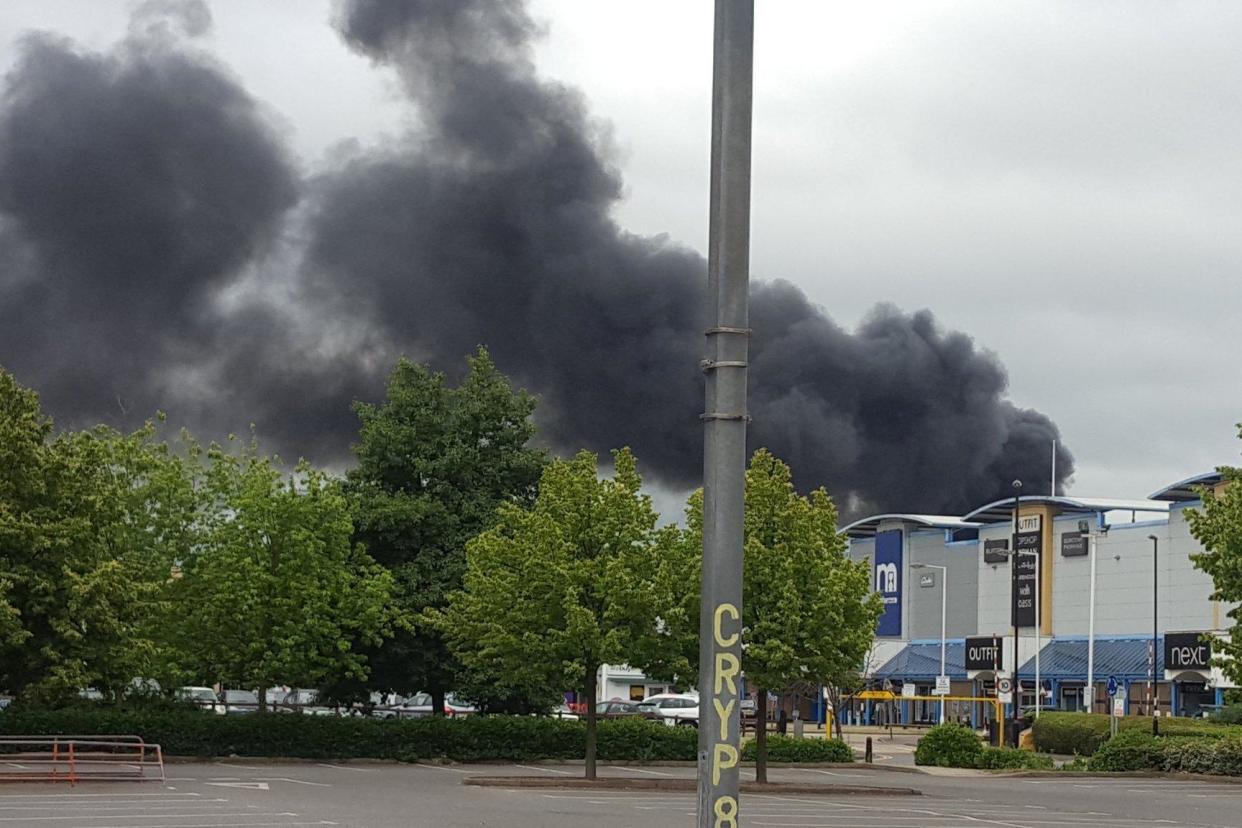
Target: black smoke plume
x,y
160,249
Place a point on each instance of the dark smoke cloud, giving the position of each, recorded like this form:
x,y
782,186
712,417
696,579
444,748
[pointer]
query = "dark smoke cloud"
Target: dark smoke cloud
x,y
143,199
135,186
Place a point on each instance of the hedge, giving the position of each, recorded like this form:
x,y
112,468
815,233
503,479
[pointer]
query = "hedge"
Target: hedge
x,y
1070,733
789,749
949,746
1083,733
955,746
1013,759
467,739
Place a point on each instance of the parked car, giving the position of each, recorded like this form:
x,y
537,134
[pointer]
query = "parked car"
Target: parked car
x,y
617,709
675,708
203,697
419,705
239,702
565,712
304,701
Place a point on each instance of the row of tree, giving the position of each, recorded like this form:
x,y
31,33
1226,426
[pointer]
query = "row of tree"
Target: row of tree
x,y
455,554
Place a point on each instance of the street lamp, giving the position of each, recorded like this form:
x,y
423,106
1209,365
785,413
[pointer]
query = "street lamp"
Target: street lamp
x,y
1013,608
1155,633
944,604
1039,641
1102,530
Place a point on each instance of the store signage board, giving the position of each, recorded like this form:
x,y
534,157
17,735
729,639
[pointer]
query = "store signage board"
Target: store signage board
x,y
996,551
984,653
888,576
1023,580
1187,651
1073,545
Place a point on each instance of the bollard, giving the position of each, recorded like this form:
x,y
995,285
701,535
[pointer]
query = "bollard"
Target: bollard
x,y
867,755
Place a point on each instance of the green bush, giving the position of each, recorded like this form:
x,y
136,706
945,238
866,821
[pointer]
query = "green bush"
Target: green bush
x,y
1214,756
949,746
1070,733
1129,750
1013,759
789,749
1230,714
469,739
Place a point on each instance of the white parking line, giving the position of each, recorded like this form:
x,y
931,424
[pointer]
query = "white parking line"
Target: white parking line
x,y
224,824
294,781
641,770
444,768
87,796
143,816
346,767
546,770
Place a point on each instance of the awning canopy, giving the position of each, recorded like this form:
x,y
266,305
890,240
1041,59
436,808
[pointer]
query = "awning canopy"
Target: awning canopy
x,y
921,661
867,527
1185,490
1123,658
1000,511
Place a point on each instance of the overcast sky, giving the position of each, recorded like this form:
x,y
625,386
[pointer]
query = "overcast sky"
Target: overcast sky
x,y
1059,180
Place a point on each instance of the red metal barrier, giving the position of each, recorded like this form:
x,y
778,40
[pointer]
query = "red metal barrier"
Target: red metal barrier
x,y
76,759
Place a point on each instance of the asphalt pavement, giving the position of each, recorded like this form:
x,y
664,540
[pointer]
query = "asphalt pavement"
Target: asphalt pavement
x,y
238,794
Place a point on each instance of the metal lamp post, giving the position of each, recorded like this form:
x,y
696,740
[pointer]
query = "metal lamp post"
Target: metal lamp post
x,y
1013,607
944,606
1039,641
725,417
1094,537
1155,633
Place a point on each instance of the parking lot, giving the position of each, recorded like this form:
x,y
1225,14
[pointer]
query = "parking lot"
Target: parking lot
x,y
239,794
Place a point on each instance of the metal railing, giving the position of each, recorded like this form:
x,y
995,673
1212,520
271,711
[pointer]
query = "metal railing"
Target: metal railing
x,y
75,759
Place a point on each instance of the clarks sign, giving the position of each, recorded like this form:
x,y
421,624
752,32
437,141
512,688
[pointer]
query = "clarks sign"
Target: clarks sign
x,y
1187,651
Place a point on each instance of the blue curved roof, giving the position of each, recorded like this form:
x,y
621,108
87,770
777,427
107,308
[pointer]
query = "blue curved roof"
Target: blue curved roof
x,y
922,661
868,526
1125,658
1002,510
1184,490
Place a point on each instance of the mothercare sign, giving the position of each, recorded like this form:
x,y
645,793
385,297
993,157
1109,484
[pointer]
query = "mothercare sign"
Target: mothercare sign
x,y
888,580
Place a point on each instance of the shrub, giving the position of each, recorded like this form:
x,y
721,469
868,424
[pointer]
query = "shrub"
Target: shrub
x,y
789,749
469,739
1129,750
949,746
1214,756
1013,759
1070,733
1230,714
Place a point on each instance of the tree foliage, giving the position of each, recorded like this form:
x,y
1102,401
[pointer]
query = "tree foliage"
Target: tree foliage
x,y
1218,526
90,526
808,611
275,590
553,592
434,463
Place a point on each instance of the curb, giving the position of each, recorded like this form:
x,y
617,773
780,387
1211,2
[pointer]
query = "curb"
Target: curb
x,y
681,785
1184,777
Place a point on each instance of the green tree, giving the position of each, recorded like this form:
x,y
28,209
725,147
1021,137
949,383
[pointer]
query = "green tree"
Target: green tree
x,y
90,525
808,611
275,590
1217,525
552,593
434,463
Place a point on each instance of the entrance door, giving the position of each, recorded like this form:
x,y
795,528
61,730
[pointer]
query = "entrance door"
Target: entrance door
x,y
1071,699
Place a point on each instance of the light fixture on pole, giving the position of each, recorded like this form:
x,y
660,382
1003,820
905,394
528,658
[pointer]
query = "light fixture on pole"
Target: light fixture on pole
x,y
1155,634
944,605
1013,608
1102,529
